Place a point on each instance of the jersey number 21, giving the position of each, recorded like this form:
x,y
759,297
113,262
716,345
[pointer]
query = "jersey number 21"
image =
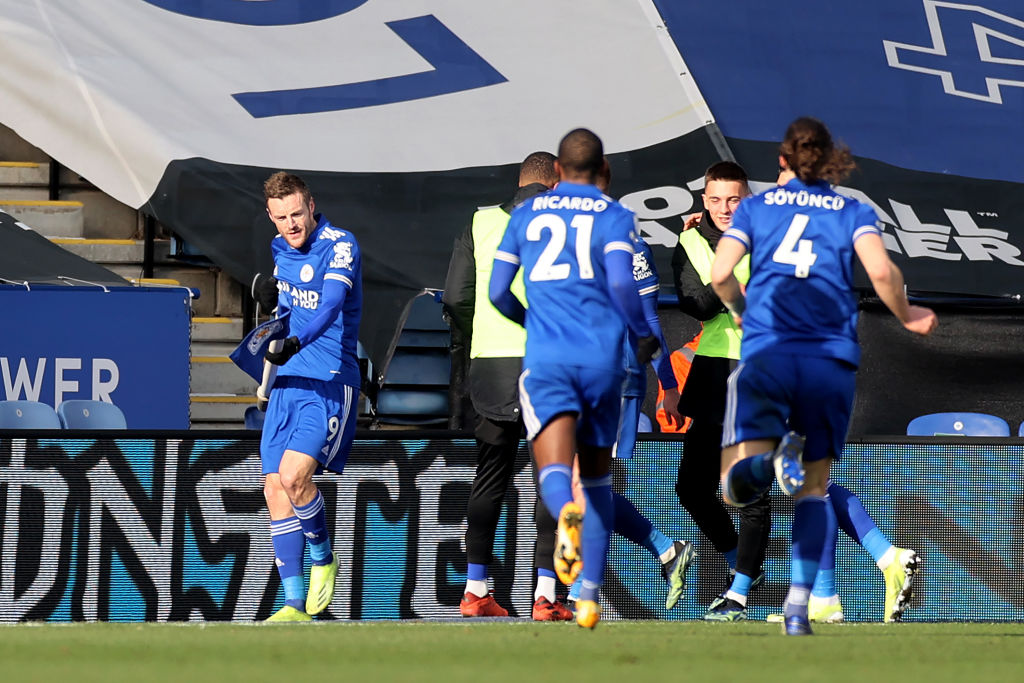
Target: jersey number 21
x,y
546,268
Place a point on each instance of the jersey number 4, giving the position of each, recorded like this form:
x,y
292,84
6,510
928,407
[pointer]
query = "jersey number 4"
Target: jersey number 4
x,y
545,268
794,251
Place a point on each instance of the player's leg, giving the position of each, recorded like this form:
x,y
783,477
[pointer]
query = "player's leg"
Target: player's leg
x,y
596,432
285,529
289,545
824,605
899,565
497,445
675,556
595,477
810,526
821,410
312,445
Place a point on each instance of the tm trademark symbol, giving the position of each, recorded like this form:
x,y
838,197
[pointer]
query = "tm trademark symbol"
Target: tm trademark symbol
x,y
988,214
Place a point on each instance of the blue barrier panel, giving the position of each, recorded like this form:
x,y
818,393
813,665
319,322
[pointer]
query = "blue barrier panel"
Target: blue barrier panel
x,y
175,528
124,345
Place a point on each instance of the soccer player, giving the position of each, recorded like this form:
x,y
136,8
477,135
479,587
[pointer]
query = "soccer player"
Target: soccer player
x,y
311,415
575,245
799,353
675,556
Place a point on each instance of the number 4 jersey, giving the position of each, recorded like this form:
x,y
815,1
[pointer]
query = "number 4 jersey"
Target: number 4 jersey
x,y
560,239
800,297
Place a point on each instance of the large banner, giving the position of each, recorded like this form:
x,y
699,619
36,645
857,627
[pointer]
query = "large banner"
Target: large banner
x,y
159,529
928,94
404,115
124,345
407,115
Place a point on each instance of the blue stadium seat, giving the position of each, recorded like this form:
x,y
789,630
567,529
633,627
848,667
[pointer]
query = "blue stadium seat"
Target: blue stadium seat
x,y
254,418
414,388
958,424
87,414
644,425
1020,430
27,415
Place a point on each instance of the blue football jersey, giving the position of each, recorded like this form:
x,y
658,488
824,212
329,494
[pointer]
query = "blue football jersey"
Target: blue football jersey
x,y
800,297
560,239
329,253
646,276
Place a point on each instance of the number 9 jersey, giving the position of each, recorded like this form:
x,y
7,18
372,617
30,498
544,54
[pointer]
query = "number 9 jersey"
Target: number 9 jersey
x,y
560,239
800,297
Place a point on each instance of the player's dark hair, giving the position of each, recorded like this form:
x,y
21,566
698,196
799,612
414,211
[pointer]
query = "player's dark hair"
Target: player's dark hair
x,y
581,153
282,184
728,171
811,154
538,167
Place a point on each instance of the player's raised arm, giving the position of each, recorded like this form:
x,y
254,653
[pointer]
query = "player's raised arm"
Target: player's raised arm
x,y
887,279
723,280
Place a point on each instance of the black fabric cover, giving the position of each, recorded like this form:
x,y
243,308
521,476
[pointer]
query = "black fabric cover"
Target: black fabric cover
x,y
29,257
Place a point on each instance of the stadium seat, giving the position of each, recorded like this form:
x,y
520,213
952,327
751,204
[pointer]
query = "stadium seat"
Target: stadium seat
x,y
958,424
414,388
254,418
644,425
27,415
86,414
1020,430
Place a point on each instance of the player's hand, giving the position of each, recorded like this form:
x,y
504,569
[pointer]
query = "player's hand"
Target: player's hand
x,y
692,220
646,348
261,400
264,292
922,320
288,349
670,404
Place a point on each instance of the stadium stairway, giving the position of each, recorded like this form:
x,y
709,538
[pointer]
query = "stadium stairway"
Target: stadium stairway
x,y
95,226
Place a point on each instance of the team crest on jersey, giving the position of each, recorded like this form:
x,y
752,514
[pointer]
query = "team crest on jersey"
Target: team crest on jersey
x,y
306,274
641,268
342,256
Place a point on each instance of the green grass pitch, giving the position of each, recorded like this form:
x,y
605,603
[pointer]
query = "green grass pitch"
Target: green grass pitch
x,y
622,651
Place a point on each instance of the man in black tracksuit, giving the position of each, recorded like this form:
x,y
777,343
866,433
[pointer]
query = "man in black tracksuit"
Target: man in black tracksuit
x,y
496,351
703,397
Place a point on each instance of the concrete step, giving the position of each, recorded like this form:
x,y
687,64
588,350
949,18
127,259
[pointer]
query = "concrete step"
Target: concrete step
x,y
108,252
13,146
216,329
24,174
227,409
23,193
218,375
104,217
54,219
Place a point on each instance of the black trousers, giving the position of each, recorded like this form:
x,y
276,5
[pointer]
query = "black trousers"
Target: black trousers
x,y
697,487
497,446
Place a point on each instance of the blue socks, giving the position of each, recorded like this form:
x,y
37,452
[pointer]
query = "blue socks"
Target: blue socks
x,y
289,545
314,528
633,526
855,521
810,522
555,487
747,479
597,526
825,580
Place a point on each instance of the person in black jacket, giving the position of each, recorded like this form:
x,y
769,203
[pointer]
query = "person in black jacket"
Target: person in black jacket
x,y
703,398
496,351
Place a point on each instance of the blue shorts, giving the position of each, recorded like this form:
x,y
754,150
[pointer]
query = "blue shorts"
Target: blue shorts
x,y
547,390
310,416
771,394
628,423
